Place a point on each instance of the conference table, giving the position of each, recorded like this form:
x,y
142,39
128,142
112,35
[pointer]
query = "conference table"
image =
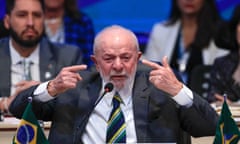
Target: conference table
x,y
9,126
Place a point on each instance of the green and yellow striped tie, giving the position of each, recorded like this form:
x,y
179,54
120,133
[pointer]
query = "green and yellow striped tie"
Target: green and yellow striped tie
x,y
116,130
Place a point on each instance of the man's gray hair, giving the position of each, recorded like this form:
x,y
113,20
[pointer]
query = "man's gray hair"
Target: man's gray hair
x,y
114,28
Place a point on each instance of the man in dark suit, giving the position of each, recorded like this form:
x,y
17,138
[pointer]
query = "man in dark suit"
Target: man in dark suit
x,y
26,42
155,106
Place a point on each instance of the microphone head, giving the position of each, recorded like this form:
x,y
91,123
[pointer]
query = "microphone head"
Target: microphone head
x,y
108,87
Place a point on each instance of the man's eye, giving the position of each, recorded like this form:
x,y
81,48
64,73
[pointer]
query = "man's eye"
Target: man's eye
x,y
108,59
38,15
21,15
126,58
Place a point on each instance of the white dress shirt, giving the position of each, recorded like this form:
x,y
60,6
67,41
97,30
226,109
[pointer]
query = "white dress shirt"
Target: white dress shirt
x,y
17,69
96,133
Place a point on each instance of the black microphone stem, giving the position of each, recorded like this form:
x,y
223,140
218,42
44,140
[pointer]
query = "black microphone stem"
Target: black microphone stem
x,y
108,88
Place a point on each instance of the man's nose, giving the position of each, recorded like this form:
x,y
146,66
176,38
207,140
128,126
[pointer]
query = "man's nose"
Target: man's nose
x,y
118,65
30,20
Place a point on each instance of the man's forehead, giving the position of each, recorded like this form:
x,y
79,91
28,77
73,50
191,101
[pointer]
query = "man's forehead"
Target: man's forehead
x,y
117,49
116,38
27,5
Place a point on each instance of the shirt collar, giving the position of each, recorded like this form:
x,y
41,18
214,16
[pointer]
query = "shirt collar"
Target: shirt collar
x,y
16,57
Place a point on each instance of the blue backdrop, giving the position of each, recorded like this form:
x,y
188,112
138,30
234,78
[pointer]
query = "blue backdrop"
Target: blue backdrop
x,y
138,15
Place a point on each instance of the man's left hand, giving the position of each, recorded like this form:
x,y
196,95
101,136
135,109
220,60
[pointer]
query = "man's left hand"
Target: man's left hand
x,y
163,77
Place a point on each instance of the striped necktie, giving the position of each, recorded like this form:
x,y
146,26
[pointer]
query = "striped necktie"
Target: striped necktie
x,y
116,130
27,69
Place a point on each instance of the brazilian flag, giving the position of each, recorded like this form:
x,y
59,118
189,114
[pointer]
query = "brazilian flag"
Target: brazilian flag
x,y
227,131
29,130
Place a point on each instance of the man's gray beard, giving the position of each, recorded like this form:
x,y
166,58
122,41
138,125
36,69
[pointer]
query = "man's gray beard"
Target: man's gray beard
x,y
126,84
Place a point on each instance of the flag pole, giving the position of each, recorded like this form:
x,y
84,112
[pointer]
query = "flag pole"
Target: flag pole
x,y
225,100
41,123
225,97
30,99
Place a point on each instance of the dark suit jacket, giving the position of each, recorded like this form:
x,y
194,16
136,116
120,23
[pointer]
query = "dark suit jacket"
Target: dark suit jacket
x,y
222,81
52,58
157,117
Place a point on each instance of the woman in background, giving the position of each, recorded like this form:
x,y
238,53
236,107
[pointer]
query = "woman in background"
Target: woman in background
x,y
225,74
186,38
65,23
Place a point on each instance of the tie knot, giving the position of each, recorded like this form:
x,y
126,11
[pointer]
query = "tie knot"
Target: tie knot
x,y
117,99
26,62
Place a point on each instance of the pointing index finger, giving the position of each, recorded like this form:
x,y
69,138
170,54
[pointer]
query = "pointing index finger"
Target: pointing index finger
x,y
151,64
76,68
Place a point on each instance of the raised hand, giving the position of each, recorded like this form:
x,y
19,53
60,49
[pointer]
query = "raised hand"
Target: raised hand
x,y
66,79
163,77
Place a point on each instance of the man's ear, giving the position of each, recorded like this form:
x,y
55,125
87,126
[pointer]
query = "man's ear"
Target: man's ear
x,y
139,55
6,21
93,58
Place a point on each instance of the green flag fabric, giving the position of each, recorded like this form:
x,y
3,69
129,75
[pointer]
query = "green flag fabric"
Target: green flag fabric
x,y
29,130
227,131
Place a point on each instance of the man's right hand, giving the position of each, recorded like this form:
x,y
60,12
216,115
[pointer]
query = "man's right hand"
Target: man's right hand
x,y
66,79
20,86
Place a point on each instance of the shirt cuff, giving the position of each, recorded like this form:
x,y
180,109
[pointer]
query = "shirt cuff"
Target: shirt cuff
x,y
41,93
184,97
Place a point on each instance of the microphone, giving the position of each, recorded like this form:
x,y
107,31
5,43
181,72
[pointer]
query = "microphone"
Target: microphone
x,y
107,88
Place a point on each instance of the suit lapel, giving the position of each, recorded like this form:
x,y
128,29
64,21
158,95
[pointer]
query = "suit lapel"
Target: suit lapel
x,y
47,64
5,73
94,90
140,106
90,95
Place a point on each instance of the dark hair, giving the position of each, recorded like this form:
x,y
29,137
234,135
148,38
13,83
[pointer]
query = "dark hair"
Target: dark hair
x,y
207,20
226,34
11,3
234,21
71,8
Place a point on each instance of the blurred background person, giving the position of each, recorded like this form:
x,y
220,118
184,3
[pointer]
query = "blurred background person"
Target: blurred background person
x,y
64,23
186,38
26,57
225,74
